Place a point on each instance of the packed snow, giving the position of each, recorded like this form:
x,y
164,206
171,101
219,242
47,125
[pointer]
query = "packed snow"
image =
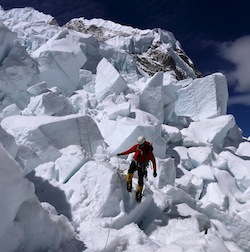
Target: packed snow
x,y
73,97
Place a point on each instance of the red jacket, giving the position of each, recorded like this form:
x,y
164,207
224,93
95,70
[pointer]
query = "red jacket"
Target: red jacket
x,y
142,153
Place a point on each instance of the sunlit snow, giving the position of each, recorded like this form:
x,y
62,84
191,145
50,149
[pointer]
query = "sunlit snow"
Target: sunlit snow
x,y
73,97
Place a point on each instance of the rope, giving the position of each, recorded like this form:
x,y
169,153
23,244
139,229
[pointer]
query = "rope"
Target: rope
x,y
111,219
117,171
107,238
146,186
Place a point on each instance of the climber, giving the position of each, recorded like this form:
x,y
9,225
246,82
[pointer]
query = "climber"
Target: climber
x,y
143,154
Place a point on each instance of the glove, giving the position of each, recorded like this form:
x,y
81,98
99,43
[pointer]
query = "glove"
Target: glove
x,y
118,154
154,174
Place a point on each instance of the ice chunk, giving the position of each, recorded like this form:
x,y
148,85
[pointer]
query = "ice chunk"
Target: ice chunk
x,y
39,138
204,172
166,172
122,109
203,98
182,151
72,159
121,135
8,142
190,184
108,80
89,201
20,226
50,103
60,59
208,132
38,89
200,155
171,134
85,77
214,195
151,98
239,168
243,150
18,70
10,111
82,101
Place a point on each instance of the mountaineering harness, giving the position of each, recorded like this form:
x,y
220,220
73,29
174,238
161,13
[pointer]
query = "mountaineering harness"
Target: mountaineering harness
x,y
141,168
143,154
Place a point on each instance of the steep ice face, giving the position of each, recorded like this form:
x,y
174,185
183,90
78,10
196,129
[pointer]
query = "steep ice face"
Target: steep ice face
x,y
63,55
18,70
39,139
203,98
108,80
20,208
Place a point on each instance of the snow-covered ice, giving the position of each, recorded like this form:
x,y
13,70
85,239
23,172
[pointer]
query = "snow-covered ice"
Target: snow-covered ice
x,y
73,97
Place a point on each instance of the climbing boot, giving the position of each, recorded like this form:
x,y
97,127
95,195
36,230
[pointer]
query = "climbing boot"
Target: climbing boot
x,y
138,194
129,186
129,181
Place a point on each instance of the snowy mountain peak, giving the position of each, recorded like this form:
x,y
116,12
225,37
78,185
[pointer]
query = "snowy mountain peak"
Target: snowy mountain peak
x,y
153,50
27,14
108,28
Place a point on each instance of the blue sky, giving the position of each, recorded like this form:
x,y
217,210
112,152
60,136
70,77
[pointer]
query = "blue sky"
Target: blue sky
x,y
214,34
